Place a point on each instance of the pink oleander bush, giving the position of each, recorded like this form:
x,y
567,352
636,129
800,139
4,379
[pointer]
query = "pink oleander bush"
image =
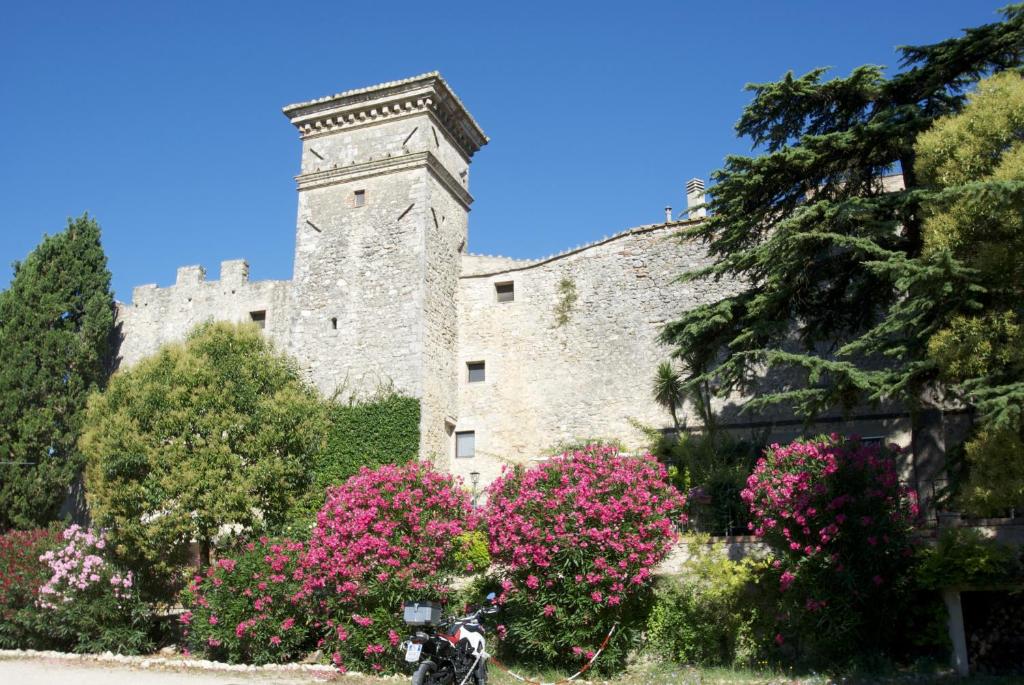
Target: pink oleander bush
x,y
88,603
383,537
838,521
22,573
248,605
574,541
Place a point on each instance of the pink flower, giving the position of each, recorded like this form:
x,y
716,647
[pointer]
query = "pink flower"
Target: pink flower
x,y
287,623
549,610
393,638
213,619
185,618
596,596
275,640
786,580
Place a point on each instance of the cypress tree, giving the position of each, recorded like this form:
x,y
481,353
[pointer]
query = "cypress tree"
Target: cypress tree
x,y
836,289
56,325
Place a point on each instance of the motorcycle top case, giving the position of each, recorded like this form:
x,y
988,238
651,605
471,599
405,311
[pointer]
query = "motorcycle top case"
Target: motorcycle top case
x,y
422,613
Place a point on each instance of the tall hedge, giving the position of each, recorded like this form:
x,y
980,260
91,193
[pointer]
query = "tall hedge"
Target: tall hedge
x,y
384,430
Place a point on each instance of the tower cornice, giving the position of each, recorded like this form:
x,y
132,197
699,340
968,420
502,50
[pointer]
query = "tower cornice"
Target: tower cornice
x,y
425,93
353,172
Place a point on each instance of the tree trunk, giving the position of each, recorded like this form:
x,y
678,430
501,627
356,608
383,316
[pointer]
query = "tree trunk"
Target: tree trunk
x,y
204,552
928,448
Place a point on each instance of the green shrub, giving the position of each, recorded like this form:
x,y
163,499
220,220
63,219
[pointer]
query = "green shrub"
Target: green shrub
x,y
713,469
471,553
964,558
706,615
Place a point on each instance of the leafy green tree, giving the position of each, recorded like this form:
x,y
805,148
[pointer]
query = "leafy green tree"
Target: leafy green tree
x,y
835,289
215,434
974,161
56,323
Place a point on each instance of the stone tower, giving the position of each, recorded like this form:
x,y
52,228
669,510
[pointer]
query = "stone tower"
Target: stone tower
x,y
382,222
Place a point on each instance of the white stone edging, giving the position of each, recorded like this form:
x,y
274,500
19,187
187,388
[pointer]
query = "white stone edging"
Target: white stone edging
x,y
172,663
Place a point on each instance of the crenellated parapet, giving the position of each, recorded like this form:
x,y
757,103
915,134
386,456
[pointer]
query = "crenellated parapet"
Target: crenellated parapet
x,y
157,316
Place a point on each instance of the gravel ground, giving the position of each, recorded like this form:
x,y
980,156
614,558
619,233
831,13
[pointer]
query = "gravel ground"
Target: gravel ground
x,y
37,671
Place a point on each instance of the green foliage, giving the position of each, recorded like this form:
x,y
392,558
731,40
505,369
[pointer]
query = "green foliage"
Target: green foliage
x,y
713,469
995,462
976,159
56,321
708,615
964,558
669,391
835,278
471,553
581,444
566,301
218,431
382,430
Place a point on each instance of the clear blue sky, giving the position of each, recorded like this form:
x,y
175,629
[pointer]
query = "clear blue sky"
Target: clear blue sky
x,y
163,120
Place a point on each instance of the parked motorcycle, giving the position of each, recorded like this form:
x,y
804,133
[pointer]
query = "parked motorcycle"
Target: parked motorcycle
x,y
447,651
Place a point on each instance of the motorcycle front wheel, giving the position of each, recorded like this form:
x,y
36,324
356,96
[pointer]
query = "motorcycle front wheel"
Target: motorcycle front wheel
x,y
423,673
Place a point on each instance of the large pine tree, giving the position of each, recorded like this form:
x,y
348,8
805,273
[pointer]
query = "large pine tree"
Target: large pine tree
x,y
836,288
56,323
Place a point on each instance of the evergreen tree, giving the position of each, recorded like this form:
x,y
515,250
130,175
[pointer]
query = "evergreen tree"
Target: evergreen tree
x,y
836,288
56,323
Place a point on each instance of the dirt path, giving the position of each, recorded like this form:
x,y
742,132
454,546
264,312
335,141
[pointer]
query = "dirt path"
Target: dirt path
x,y
38,671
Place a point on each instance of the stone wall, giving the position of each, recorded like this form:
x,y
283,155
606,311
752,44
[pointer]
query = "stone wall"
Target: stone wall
x,y
157,316
592,375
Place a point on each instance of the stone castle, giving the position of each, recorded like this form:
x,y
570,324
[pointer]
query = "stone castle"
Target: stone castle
x,y
508,357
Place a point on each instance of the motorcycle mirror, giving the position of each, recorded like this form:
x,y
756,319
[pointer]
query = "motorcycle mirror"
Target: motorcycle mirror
x,y
490,597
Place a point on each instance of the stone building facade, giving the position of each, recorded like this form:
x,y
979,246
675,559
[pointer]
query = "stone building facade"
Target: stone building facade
x,y
508,357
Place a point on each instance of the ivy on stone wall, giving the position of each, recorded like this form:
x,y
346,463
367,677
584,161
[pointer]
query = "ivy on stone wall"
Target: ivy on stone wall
x,y
383,430
566,301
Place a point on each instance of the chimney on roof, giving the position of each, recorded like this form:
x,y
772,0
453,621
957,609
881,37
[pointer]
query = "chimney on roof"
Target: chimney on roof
x,y
695,197
668,214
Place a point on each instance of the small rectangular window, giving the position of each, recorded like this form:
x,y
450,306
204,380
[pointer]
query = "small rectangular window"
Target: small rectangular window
x,y
359,198
259,318
476,372
465,444
506,292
